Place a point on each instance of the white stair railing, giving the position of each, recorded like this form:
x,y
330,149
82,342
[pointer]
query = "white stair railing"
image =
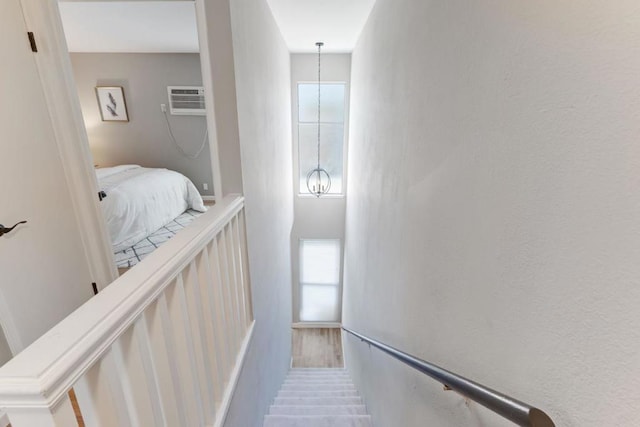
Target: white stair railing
x,y
161,346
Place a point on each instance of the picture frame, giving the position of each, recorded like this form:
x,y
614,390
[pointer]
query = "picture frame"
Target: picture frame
x,y
112,105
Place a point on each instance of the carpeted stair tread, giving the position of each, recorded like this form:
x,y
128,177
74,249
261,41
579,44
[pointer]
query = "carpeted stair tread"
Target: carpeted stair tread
x,y
312,375
318,401
317,378
318,410
318,393
318,370
318,398
318,387
317,421
318,375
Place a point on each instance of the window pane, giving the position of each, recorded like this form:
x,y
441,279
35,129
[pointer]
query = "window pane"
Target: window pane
x,y
320,261
331,153
332,100
319,303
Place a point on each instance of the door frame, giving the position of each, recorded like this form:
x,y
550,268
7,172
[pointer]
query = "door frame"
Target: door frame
x,y
57,81
207,83
56,77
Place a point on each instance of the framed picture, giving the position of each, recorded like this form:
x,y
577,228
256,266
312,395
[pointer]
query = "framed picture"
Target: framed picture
x,y
111,103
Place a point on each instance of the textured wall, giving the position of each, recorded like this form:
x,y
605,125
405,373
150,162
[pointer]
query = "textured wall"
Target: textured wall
x,y
264,116
493,212
144,140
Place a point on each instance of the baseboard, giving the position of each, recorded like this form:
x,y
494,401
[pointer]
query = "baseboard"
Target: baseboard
x,y
316,325
221,415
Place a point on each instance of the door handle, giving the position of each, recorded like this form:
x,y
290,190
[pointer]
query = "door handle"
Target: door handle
x,y
4,230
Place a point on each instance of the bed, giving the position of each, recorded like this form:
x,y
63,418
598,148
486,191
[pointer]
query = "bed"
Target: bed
x,y
138,201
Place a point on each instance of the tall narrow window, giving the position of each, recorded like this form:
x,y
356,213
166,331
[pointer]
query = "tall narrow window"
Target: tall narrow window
x,y
319,280
331,132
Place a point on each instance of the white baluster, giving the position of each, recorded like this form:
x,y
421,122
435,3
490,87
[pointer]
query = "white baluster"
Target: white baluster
x,y
230,305
245,265
139,377
141,331
179,394
165,364
237,262
192,291
95,398
121,390
212,317
179,312
233,284
221,320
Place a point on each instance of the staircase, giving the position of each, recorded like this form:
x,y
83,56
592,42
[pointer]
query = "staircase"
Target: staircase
x,y
318,398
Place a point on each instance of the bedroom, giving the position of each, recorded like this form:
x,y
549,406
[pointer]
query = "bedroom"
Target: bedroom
x,y
135,64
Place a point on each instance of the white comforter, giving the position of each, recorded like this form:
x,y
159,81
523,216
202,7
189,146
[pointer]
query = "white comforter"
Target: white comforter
x,y
141,200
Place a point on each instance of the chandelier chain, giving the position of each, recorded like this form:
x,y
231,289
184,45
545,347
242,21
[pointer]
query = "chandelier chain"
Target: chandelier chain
x,y
321,177
319,86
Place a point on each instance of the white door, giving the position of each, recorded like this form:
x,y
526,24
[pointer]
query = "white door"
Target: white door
x,y
44,272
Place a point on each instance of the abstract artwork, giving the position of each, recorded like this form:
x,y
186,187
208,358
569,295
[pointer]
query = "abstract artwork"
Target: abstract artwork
x,y
112,105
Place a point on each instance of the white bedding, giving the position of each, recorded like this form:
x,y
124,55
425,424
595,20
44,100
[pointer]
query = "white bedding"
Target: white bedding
x,y
141,200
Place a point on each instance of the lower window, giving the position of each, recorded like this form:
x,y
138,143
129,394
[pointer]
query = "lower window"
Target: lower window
x,y
319,280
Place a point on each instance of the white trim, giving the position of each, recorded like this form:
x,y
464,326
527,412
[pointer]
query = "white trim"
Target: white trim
x,y
221,417
209,198
9,328
40,376
316,325
56,77
207,83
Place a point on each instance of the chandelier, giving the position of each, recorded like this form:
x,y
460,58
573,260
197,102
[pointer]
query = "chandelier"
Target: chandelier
x,y
318,179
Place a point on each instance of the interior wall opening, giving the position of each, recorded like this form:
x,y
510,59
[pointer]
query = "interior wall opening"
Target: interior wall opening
x,y
317,238
141,92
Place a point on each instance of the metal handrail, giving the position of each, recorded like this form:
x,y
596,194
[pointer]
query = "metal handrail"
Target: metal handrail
x,y
508,407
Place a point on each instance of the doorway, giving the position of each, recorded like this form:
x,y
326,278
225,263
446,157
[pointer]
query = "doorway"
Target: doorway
x,y
150,66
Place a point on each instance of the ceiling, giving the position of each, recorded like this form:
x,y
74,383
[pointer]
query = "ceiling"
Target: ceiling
x,y
170,26
337,23
130,26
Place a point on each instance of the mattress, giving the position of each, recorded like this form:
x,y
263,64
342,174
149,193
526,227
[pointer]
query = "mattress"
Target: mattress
x,y
140,200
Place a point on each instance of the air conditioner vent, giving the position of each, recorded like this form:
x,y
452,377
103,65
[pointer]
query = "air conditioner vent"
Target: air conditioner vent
x,y
186,100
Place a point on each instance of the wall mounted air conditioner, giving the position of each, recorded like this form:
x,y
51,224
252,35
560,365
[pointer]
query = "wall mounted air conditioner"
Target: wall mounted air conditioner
x,y
186,100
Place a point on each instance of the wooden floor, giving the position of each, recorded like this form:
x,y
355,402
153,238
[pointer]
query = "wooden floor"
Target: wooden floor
x,y
317,348
76,408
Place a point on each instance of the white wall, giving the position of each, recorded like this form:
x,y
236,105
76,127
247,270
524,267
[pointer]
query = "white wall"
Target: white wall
x,y
315,218
220,61
144,140
493,215
264,115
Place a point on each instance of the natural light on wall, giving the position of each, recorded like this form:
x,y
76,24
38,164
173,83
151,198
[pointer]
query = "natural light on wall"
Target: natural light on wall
x,y
319,280
332,132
